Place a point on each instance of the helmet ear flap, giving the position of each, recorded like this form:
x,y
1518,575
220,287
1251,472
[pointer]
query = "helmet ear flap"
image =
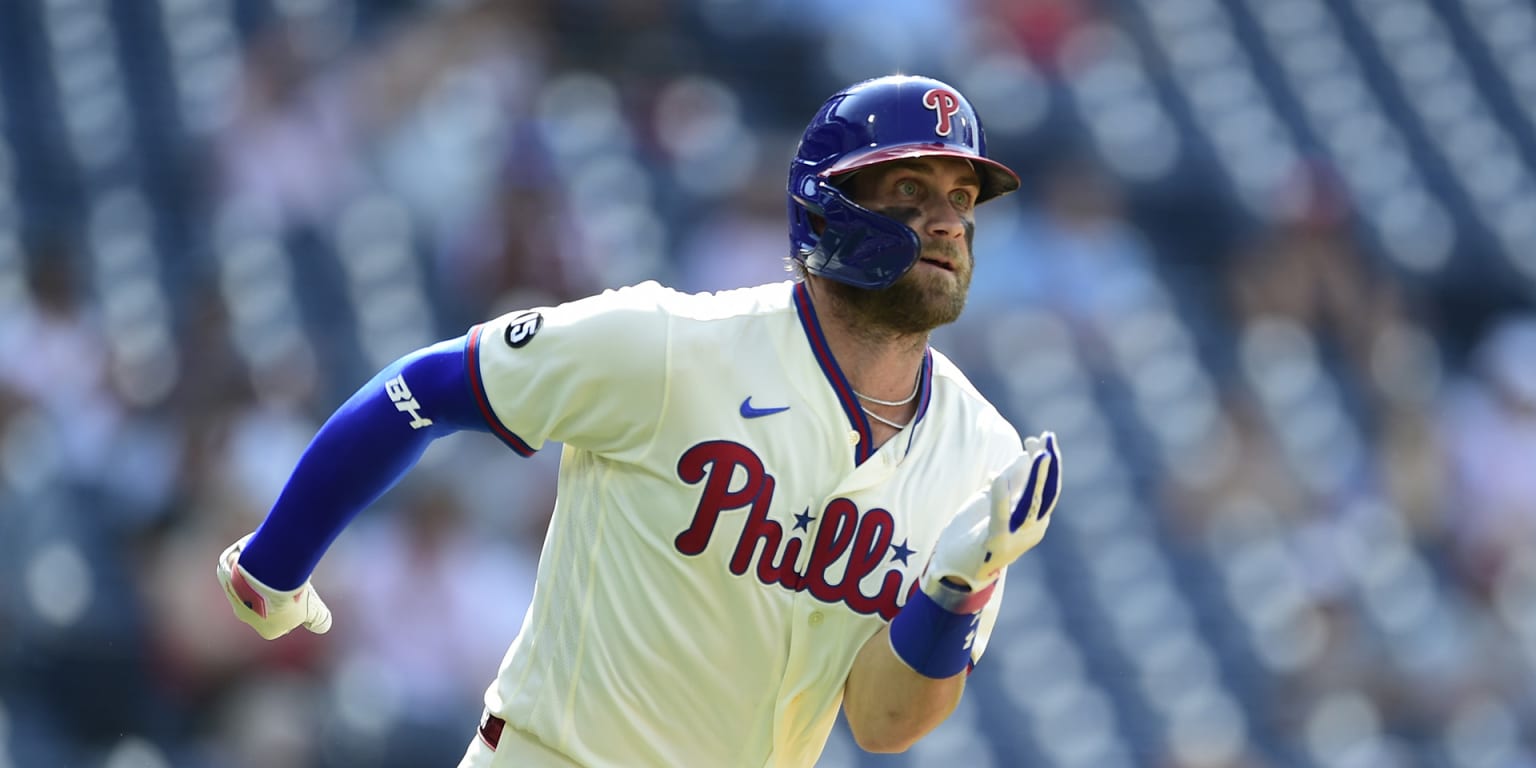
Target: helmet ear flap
x,y
857,246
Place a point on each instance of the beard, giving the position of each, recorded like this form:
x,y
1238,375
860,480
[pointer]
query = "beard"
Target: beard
x,y
920,300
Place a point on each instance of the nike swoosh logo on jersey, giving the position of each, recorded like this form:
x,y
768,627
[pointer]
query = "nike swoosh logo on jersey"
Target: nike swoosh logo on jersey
x,y
748,412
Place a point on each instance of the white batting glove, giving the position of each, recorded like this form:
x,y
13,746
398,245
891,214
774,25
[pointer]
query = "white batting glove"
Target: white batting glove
x,y
1000,523
271,612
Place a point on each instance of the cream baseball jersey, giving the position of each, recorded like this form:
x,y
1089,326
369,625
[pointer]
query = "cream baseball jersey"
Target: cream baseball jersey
x,y
725,538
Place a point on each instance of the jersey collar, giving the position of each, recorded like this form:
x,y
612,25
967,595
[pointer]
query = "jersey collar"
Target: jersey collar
x,y
844,390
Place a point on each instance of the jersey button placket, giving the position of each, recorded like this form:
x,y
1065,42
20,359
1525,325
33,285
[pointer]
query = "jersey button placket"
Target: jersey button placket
x,y
815,618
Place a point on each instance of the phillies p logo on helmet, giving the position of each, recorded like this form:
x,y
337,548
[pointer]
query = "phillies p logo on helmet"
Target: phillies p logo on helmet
x,y
946,104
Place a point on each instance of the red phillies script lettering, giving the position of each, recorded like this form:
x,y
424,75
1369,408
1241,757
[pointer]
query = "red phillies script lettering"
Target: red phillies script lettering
x,y
864,539
721,458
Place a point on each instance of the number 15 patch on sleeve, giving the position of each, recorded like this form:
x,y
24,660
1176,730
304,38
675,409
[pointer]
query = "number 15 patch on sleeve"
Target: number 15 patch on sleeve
x,y
520,329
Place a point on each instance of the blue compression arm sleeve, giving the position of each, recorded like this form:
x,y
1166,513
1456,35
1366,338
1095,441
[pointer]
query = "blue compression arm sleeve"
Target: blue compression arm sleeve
x,y
365,447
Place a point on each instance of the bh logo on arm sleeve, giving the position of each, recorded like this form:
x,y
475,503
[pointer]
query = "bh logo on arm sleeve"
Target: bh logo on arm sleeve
x,y
400,395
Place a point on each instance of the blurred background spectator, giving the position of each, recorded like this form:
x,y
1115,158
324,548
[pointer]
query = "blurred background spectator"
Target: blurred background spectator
x,y
1270,278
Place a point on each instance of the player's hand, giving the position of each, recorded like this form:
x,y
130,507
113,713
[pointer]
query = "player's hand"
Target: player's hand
x,y
1001,522
272,613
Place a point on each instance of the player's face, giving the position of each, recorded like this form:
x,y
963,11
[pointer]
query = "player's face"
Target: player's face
x,y
936,197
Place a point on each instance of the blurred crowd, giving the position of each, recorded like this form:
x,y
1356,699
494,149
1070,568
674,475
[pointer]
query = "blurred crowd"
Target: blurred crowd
x,y
1326,456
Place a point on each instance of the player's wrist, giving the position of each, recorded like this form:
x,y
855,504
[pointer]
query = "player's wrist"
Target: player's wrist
x,y
233,560
264,589
955,591
933,633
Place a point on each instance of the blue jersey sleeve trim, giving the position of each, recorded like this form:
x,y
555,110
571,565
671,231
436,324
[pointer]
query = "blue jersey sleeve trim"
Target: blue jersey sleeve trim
x,y
362,451
483,400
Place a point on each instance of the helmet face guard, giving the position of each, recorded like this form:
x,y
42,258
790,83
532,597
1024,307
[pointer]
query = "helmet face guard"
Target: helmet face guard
x,y
876,121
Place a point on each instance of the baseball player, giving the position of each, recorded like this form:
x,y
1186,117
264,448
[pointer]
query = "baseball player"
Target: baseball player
x,y
773,502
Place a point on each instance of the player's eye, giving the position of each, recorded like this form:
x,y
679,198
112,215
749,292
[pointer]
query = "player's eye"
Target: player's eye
x,y
961,198
906,188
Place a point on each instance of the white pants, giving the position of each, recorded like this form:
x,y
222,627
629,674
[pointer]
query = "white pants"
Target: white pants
x,y
515,748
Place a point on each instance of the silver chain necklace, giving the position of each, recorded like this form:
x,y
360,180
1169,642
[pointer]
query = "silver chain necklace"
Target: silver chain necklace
x,y
916,385
883,420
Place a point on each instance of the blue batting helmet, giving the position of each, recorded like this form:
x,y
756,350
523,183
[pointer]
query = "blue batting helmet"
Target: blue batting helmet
x,y
888,118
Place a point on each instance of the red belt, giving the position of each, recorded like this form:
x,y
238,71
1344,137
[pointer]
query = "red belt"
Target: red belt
x,y
490,729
